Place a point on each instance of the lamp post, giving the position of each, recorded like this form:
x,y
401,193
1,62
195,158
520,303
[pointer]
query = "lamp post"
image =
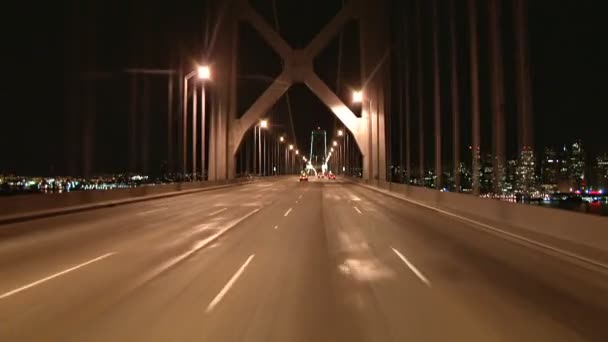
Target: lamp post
x,y
278,161
290,159
342,152
257,142
204,73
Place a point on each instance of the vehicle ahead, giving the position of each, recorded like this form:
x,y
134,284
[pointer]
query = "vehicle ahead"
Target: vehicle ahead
x,y
331,176
303,177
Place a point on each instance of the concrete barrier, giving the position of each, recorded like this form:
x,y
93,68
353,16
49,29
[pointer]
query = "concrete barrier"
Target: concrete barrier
x,y
24,207
575,233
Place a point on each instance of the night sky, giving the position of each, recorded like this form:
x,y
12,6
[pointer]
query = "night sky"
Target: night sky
x,y
52,52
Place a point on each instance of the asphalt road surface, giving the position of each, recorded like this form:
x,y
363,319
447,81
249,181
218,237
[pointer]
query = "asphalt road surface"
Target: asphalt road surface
x,y
286,261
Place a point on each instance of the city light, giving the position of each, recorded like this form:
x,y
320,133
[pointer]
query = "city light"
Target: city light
x,y
264,123
357,96
331,149
290,147
281,139
297,152
335,143
340,132
204,72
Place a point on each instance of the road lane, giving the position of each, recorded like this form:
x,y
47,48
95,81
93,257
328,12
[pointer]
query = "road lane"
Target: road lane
x,y
344,264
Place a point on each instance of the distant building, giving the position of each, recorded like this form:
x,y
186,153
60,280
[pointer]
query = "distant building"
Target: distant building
x,y
576,166
486,174
511,176
526,171
553,170
601,171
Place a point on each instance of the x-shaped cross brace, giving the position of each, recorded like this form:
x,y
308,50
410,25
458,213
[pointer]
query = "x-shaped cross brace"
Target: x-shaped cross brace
x,y
297,67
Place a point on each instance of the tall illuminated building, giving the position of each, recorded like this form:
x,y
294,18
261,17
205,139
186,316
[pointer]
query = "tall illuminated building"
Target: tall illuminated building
x,y
601,171
526,171
576,166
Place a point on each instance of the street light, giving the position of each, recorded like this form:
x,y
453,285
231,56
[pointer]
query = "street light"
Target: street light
x,y
331,149
204,73
281,139
357,96
297,152
340,132
335,143
290,147
262,124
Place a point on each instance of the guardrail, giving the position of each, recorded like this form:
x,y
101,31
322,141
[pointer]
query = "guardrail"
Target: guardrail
x,y
578,235
25,207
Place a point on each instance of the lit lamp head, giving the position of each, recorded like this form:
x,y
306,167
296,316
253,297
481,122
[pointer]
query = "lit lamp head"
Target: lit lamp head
x,y
297,152
357,96
340,132
264,123
204,72
281,139
335,143
331,149
290,147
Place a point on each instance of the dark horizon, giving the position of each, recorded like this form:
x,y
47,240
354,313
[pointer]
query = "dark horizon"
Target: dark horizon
x,y
45,122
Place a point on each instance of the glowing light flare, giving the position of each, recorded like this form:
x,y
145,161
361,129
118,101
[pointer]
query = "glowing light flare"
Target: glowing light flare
x,y
204,72
264,123
357,96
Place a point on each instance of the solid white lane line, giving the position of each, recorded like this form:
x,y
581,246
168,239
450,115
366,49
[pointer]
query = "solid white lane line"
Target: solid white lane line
x,y
228,285
38,282
217,212
287,212
357,209
413,268
511,236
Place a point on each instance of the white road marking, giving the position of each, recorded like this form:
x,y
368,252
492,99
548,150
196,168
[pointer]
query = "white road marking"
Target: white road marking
x,y
413,268
228,285
38,282
357,209
202,243
287,212
217,212
143,213
513,237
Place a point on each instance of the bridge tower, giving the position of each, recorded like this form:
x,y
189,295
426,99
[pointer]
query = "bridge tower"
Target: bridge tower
x,y
229,127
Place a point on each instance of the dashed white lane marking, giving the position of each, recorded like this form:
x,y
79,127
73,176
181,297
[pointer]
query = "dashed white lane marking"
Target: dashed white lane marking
x,y
38,282
357,209
201,244
228,285
143,213
217,212
287,212
412,267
